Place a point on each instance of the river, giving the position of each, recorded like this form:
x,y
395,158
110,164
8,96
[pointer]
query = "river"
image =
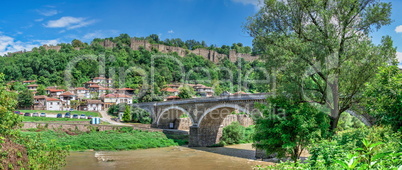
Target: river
x,y
179,157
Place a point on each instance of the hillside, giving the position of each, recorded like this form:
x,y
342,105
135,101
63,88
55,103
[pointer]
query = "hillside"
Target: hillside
x,y
133,63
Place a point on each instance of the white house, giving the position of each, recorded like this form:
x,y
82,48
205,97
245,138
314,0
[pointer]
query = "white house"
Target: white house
x,y
118,98
66,99
82,92
94,105
53,104
33,87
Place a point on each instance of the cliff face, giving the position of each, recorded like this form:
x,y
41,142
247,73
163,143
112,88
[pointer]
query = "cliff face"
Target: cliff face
x,y
210,55
207,54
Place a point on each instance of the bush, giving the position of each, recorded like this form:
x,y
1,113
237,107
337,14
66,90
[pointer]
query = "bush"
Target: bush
x,y
233,134
364,148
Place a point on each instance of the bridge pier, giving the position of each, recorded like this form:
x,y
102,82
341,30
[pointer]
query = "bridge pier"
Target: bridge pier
x,y
194,137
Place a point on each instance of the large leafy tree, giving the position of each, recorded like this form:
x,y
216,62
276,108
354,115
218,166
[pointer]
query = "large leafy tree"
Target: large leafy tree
x,y
320,49
186,92
25,99
384,97
289,127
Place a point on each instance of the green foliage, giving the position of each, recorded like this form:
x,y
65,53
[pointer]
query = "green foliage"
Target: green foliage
x,y
288,127
236,134
233,134
347,121
186,92
125,139
8,120
127,115
383,97
320,54
365,148
25,99
140,115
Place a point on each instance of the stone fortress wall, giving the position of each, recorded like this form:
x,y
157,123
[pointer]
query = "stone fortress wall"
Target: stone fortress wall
x,y
210,55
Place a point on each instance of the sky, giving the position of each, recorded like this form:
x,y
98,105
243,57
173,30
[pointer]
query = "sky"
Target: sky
x,y
27,24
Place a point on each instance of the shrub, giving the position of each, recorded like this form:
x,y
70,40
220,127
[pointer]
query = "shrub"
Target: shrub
x,y
233,134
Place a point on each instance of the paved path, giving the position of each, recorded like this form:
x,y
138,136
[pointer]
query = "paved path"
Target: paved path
x,y
107,118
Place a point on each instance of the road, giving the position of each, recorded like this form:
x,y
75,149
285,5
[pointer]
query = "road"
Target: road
x,y
107,118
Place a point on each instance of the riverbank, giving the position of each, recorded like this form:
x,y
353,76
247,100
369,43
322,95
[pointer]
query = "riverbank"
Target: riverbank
x,y
125,138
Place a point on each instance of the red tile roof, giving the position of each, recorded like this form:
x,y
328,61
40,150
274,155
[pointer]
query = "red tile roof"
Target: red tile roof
x,y
125,88
29,81
117,96
55,90
33,85
94,86
170,90
94,102
99,78
40,97
81,88
67,94
90,82
173,97
52,99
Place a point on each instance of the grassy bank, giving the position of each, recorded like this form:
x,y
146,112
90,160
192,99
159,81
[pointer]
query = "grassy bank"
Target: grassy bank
x,y
95,114
48,119
125,139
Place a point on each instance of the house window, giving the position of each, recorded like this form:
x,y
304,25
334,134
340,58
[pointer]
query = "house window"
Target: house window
x,y
51,103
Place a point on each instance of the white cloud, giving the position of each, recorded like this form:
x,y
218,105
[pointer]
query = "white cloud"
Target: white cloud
x,y
398,29
49,12
399,58
257,3
69,22
9,44
170,32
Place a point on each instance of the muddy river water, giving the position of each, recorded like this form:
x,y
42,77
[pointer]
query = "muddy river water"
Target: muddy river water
x,y
230,157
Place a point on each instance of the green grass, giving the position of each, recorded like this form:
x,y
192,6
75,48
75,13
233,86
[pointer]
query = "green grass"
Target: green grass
x,y
95,114
127,139
47,119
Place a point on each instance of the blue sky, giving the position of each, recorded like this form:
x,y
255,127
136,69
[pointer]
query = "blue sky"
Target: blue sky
x,y
27,24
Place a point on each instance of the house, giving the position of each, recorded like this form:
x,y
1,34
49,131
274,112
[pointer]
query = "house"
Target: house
x,y
94,88
102,80
118,98
127,91
169,98
40,102
226,93
93,105
171,91
89,83
28,81
33,87
54,92
66,99
53,104
204,91
103,90
82,92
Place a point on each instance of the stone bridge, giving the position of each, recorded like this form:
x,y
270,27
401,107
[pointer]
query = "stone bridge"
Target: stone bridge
x,y
206,114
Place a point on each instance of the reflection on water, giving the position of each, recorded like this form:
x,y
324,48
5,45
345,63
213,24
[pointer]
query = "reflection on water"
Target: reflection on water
x,y
231,157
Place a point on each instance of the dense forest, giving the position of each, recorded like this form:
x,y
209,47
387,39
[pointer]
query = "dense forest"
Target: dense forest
x,y
78,62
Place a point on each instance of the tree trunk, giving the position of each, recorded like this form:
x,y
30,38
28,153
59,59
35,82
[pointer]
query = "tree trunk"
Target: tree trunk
x,y
334,104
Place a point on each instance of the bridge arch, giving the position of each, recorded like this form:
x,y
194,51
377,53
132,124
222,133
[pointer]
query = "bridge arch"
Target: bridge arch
x,y
211,122
169,115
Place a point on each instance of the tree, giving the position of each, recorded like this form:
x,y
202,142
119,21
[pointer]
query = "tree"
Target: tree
x,y
140,115
383,97
77,43
288,127
321,50
25,99
186,92
41,90
127,114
